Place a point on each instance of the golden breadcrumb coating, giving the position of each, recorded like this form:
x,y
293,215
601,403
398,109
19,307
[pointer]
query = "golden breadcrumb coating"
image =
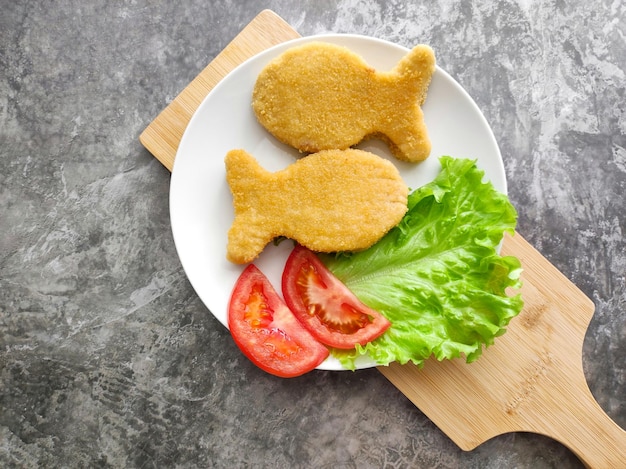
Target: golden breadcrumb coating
x,y
334,200
321,96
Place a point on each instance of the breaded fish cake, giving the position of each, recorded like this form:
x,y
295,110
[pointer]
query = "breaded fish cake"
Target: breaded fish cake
x,y
334,200
321,96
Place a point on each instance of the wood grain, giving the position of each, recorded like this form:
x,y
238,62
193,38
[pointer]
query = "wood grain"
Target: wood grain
x,y
530,380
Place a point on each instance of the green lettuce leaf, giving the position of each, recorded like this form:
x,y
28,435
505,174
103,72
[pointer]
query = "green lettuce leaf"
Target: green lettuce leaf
x,y
437,276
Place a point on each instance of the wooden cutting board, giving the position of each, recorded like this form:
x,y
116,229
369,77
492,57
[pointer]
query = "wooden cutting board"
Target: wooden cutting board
x,y
531,380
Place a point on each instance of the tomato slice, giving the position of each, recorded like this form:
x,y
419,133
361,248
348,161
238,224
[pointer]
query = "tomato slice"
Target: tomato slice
x,y
267,332
326,307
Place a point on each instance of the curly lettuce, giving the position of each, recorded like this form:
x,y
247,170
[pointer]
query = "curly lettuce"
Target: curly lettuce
x,y
437,276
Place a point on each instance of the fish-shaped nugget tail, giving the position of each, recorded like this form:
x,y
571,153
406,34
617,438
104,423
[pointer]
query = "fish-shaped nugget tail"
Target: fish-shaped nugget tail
x,y
321,96
333,200
415,70
247,233
406,133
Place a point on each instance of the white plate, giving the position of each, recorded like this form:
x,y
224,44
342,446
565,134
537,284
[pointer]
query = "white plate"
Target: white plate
x,y
200,201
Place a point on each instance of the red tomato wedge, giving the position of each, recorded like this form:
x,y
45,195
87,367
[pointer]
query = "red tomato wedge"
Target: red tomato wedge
x,y
267,332
325,306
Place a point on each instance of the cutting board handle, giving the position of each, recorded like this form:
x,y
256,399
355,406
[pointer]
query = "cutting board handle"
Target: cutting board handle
x,y
581,424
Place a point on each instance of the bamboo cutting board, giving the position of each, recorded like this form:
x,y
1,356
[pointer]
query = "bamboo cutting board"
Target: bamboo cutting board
x,y
532,378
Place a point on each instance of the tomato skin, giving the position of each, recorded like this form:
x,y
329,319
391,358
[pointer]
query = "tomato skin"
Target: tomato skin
x,y
325,306
267,332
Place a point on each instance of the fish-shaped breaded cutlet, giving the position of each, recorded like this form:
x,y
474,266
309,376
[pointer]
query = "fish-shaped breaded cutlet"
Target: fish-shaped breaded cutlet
x,y
334,200
321,96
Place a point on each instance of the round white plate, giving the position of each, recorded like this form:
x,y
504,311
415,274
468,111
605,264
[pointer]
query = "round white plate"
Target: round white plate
x,y
200,200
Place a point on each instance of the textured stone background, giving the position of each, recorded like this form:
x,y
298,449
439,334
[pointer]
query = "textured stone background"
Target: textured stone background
x,y
108,358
